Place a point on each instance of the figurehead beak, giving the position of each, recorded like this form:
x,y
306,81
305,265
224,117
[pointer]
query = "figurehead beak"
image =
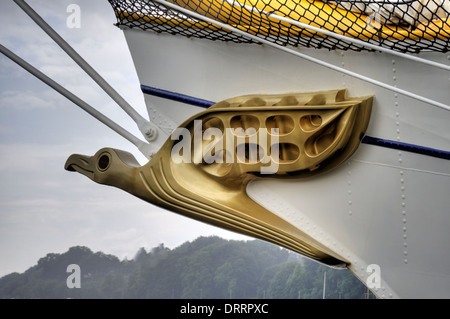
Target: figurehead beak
x,y
81,164
108,166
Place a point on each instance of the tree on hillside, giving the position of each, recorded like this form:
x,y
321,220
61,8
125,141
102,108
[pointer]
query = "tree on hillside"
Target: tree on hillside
x,y
208,267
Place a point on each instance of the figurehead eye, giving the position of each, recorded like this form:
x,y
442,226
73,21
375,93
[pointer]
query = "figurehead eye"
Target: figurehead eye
x,y
103,162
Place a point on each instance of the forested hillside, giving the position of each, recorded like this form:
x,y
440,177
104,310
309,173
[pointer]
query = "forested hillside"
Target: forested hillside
x,y
209,267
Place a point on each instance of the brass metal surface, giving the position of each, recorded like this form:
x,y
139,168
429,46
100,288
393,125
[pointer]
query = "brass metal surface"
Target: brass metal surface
x,y
204,176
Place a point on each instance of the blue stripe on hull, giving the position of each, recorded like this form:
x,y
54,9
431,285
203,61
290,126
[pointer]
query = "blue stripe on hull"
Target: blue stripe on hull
x,y
176,96
366,140
406,147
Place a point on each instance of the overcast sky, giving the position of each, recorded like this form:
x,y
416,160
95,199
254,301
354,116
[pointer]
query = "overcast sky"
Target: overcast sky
x,y
43,208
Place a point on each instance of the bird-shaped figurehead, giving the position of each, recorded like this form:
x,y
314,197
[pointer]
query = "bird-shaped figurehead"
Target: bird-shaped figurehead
x,y
202,172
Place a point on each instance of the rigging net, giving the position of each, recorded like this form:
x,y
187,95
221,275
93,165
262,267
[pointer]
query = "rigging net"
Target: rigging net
x,y
404,25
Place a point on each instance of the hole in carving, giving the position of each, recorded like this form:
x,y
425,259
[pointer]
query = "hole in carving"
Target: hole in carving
x,y
244,122
287,152
310,122
321,141
284,123
249,153
213,122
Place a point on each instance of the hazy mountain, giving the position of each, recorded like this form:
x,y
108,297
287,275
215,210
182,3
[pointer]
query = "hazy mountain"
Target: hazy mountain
x,y
208,267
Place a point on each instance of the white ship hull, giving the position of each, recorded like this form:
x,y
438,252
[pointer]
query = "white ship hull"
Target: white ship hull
x,y
384,207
